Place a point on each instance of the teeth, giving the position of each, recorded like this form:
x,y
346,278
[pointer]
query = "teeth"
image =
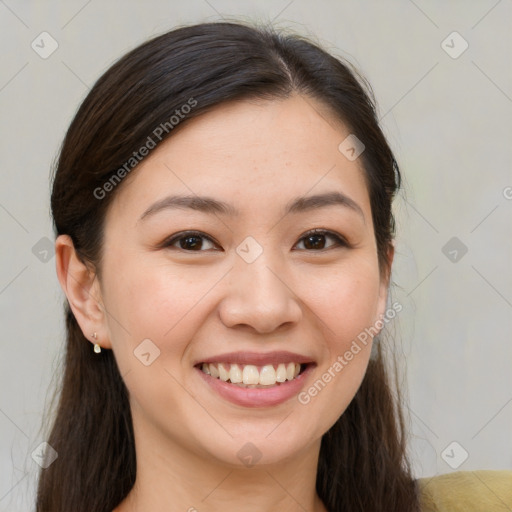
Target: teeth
x,y
235,374
281,373
251,375
214,372
268,375
223,373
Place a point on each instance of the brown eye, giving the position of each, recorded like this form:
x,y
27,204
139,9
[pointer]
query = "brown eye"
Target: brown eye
x,y
190,242
318,240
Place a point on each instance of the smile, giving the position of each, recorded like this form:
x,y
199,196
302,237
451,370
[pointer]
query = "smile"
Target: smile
x,y
252,376
256,379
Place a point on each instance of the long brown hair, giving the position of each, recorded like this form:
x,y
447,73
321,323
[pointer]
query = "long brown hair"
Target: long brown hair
x,y
363,464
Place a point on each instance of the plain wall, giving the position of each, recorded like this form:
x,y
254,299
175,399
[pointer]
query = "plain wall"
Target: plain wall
x,y
448,119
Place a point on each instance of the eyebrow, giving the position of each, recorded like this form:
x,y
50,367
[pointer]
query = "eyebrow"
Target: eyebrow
x,y
213,206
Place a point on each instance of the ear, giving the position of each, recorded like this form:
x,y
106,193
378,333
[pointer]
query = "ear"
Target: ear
x,y
81,286
385,280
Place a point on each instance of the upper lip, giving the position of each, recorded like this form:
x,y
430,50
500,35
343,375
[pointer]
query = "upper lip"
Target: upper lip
x,y
257,358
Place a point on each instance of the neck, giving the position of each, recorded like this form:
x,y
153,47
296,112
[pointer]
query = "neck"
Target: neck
x,y
171,478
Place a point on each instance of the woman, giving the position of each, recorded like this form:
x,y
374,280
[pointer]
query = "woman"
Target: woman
x,y
225,238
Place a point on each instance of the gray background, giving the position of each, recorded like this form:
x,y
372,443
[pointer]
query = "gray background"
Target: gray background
x,y
448,121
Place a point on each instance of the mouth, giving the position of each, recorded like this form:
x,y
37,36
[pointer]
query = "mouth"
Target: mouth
x,y
254,376
252,379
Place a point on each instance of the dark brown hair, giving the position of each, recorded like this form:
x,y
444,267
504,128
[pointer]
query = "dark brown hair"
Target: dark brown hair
x,y
363,464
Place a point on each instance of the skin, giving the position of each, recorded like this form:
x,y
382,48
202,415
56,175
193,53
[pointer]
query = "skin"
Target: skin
x,y
256,156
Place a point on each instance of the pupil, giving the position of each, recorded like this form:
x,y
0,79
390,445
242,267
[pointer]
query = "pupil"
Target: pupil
x,y
190,242
315,242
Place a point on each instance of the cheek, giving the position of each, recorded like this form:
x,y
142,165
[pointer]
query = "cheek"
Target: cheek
x,y
345,301
346,307
155,302
166,307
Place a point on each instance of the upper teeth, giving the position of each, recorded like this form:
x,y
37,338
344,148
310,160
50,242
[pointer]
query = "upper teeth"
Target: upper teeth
x,y
253,375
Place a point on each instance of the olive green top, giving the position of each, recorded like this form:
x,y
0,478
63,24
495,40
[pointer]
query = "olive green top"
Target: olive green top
x,y
467,491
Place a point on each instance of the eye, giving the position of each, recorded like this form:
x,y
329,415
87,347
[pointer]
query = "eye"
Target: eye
x,y
316,240
190,241
195,241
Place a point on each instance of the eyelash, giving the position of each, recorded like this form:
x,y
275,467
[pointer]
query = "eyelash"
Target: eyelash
x,y
339,240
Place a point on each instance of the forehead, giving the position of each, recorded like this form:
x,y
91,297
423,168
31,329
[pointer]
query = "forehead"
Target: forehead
x,y
249,153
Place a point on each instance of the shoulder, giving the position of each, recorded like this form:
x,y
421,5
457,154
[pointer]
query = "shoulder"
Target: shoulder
x,y
467,491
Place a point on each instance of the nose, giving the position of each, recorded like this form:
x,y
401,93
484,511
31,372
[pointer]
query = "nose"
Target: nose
x,y
259,298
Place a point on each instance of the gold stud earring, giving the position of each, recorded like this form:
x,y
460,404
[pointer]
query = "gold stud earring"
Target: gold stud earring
x,y
97,347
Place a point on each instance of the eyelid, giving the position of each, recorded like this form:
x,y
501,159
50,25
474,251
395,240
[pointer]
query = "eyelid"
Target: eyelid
x,y
168,242
341,241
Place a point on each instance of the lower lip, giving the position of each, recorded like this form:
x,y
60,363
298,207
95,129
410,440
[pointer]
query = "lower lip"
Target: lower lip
x,y
258,397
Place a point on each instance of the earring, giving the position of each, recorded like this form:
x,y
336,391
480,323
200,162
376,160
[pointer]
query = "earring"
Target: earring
x,y
97,347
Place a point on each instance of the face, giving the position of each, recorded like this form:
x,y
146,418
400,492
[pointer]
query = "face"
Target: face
x,y
242,246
